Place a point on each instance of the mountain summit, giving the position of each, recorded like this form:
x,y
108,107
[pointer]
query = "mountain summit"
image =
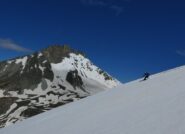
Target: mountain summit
x,y
57,75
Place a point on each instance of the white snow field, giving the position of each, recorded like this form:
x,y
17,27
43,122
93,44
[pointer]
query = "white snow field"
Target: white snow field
x,y
155,106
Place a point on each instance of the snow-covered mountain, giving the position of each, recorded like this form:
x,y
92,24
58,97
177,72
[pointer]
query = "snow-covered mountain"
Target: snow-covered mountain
x,y
35,83
155,106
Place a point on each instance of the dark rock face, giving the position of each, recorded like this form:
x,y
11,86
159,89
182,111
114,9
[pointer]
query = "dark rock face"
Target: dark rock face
x,y
5,103
31,112
74,79
55,54
16,78
9,76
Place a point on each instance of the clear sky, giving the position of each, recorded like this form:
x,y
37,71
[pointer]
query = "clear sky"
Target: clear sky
x,y
124,37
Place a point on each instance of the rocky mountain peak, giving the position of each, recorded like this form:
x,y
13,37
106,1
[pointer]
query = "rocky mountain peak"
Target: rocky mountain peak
x,y
57,75
55,53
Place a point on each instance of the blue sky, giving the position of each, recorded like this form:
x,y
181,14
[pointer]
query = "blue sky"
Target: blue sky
x,y
124,37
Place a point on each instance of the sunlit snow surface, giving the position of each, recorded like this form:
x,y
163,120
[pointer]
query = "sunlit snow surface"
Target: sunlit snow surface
x,y
155,106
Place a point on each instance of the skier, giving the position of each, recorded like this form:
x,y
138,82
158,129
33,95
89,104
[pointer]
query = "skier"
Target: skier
x,y
146,76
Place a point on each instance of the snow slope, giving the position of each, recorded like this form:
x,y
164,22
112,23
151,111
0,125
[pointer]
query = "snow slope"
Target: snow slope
x,y
155,106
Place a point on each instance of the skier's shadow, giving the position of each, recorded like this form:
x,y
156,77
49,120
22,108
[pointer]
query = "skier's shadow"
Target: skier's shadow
x,y
143,80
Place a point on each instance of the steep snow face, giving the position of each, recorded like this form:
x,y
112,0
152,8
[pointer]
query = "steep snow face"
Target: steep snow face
x,y
39,82
86,69
155,106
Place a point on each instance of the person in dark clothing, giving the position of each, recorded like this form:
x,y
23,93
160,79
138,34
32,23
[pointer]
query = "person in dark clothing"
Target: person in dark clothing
x,y
146,76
